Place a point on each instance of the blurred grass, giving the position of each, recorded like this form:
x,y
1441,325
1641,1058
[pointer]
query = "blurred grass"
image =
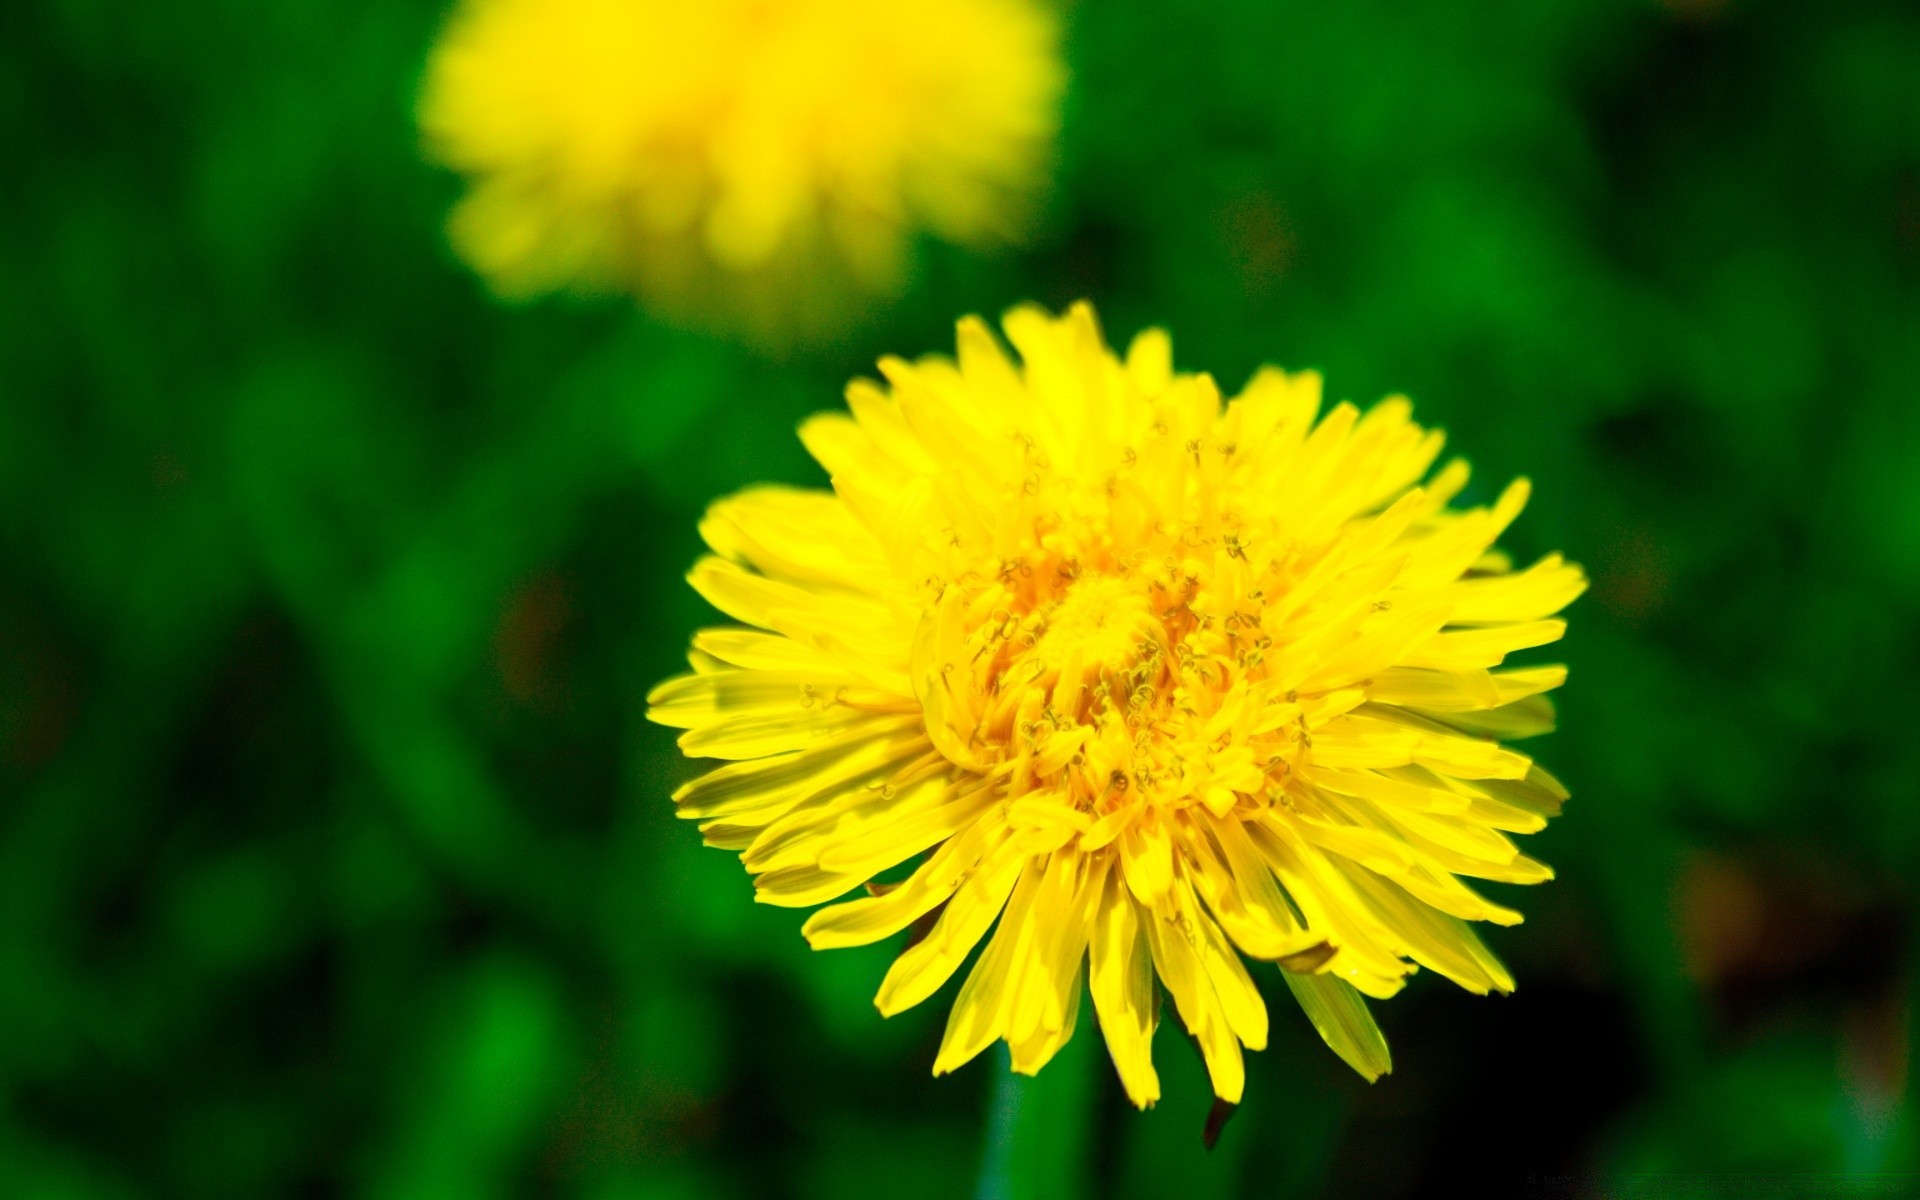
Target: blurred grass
x,y
336,853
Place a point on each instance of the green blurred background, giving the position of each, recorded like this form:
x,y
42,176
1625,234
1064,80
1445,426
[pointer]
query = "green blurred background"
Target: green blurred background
x,y
336,855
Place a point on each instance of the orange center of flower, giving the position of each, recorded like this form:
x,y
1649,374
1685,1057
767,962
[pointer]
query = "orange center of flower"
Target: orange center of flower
x,y
1140,686
1099,641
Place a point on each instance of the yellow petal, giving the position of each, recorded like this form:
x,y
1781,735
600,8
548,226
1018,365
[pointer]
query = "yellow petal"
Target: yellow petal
x,y
855,628
1063,911
1146,860
763,651
870,918
923,967
980,1012
757,735
799,535
1120,975
766,787
1540,591
1343,1021
1175,937
1435,940
1460,691
713,697
939,659
1521,719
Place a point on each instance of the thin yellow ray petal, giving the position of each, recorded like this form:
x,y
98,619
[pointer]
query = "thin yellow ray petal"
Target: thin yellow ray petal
x,y
1241,892
1459,834
803,886
1431,938
938,656
1497,814
1447,752
1150,360
1323,453
837,622
1459,539
1342,658
713,697
924,966
1522,719
1522,869
1446,844
1446,483
967,471
801,535
1538,793
1399,787
1467,649
1363,543
762,651
1374,848
1439,888
1240,1000
1062,909
724,835
849,453
766,787
1044,1012
704,663
1364,954
879,418
757,735
1038,1049
1146,860
984,363
1471,758
1460,691
1343,1021
871,918
1539,591
906,835
1174,935
891,792
1360,742
980,1012
1120,976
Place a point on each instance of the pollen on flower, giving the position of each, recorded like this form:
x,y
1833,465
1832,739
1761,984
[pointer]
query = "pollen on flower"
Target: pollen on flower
x,y
1150,684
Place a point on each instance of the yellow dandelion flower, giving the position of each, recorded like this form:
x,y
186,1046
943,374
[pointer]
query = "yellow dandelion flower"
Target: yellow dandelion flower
x,y
1158,684
754,162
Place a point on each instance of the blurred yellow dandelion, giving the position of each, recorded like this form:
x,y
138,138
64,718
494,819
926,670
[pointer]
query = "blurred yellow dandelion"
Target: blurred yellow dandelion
x,y
1157,683
760,163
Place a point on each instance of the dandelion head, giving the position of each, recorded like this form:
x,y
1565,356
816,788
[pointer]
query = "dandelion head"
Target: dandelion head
x,y
1130,684
755,163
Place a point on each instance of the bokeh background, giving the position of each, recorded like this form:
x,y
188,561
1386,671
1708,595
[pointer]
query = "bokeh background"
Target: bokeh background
x,y
335,854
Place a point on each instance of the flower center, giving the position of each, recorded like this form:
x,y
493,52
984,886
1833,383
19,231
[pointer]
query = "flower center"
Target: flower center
x,y
1117,691
1098,644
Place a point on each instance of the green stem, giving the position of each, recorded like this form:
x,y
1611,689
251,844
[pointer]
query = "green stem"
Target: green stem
x,y
1039,1128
